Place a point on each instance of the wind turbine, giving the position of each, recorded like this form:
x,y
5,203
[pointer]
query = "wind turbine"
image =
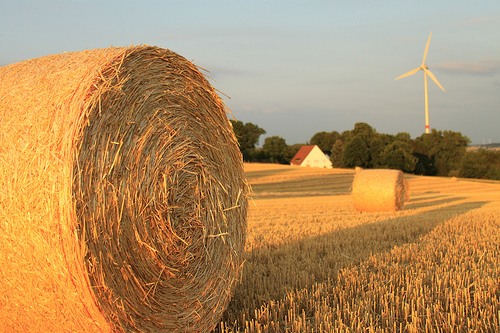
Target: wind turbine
x,y
426,72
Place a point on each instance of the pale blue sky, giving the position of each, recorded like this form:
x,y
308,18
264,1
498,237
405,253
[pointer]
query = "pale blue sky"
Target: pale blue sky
x,y
298,67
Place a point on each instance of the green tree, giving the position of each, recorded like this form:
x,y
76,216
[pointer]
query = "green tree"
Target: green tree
x,y
398,155
325,140
453,148
336,154
376,147
276,149
494,172
425,163
363,130
444,149
403,136
493,157
474,165
354,148
248,136
481,164
356,153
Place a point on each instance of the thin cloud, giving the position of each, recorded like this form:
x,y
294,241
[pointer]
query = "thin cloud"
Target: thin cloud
x,y
482,67
479,20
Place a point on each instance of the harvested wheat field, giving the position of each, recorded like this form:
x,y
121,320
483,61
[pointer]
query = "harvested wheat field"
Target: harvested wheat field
x,y
314,264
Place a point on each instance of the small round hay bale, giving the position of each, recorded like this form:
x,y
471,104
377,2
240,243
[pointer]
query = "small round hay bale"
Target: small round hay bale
x,y
378,190
122,195
358,169
454,179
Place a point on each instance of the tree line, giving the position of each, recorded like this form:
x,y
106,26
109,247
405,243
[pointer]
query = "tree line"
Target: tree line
x,y
439,153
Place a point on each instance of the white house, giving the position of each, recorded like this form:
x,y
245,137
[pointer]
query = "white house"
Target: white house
x,y
311,156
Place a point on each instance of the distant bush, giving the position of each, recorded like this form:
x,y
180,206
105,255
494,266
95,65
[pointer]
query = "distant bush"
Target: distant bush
x,y
494,173
480,165
439,152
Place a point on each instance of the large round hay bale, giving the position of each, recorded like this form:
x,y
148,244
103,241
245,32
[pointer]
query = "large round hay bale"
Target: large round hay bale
x,y
122,195
378,190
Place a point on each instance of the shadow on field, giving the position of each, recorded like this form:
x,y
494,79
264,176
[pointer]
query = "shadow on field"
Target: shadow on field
x,y
431,201
329,184
251,175
426,197
270,272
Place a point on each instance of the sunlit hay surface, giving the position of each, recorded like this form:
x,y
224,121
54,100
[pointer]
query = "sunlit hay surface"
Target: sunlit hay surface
x,y
315,264
123,197
378,190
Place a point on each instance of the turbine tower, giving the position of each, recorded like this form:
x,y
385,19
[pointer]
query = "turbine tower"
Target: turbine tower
x,y
426,72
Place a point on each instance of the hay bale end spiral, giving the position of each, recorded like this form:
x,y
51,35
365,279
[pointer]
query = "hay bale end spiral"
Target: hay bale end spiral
x,y
122,194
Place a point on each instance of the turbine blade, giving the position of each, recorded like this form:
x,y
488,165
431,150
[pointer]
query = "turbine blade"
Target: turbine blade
x,y
426,49
434,78
408,74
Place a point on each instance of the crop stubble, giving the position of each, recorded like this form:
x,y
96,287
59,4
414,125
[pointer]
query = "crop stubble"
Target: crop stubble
x,y
314,264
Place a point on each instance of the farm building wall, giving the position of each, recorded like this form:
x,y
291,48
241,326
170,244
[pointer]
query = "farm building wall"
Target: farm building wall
x,y
311,156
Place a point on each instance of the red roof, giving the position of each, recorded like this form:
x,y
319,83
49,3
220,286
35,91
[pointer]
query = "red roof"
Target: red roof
x,y
301,155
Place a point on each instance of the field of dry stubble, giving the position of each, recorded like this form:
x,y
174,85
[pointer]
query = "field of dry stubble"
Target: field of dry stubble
x,y
314,264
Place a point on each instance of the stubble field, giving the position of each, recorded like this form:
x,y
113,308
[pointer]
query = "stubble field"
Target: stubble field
x,y
314,264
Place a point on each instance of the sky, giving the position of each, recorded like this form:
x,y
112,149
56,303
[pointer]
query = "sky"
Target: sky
x,y
295,68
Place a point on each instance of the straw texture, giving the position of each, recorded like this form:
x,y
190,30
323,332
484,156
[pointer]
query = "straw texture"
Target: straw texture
x,y
378,190
122,195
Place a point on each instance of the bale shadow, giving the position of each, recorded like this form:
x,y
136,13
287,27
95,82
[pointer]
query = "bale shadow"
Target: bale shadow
x,y
252,175
426,196
329,184
425,203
